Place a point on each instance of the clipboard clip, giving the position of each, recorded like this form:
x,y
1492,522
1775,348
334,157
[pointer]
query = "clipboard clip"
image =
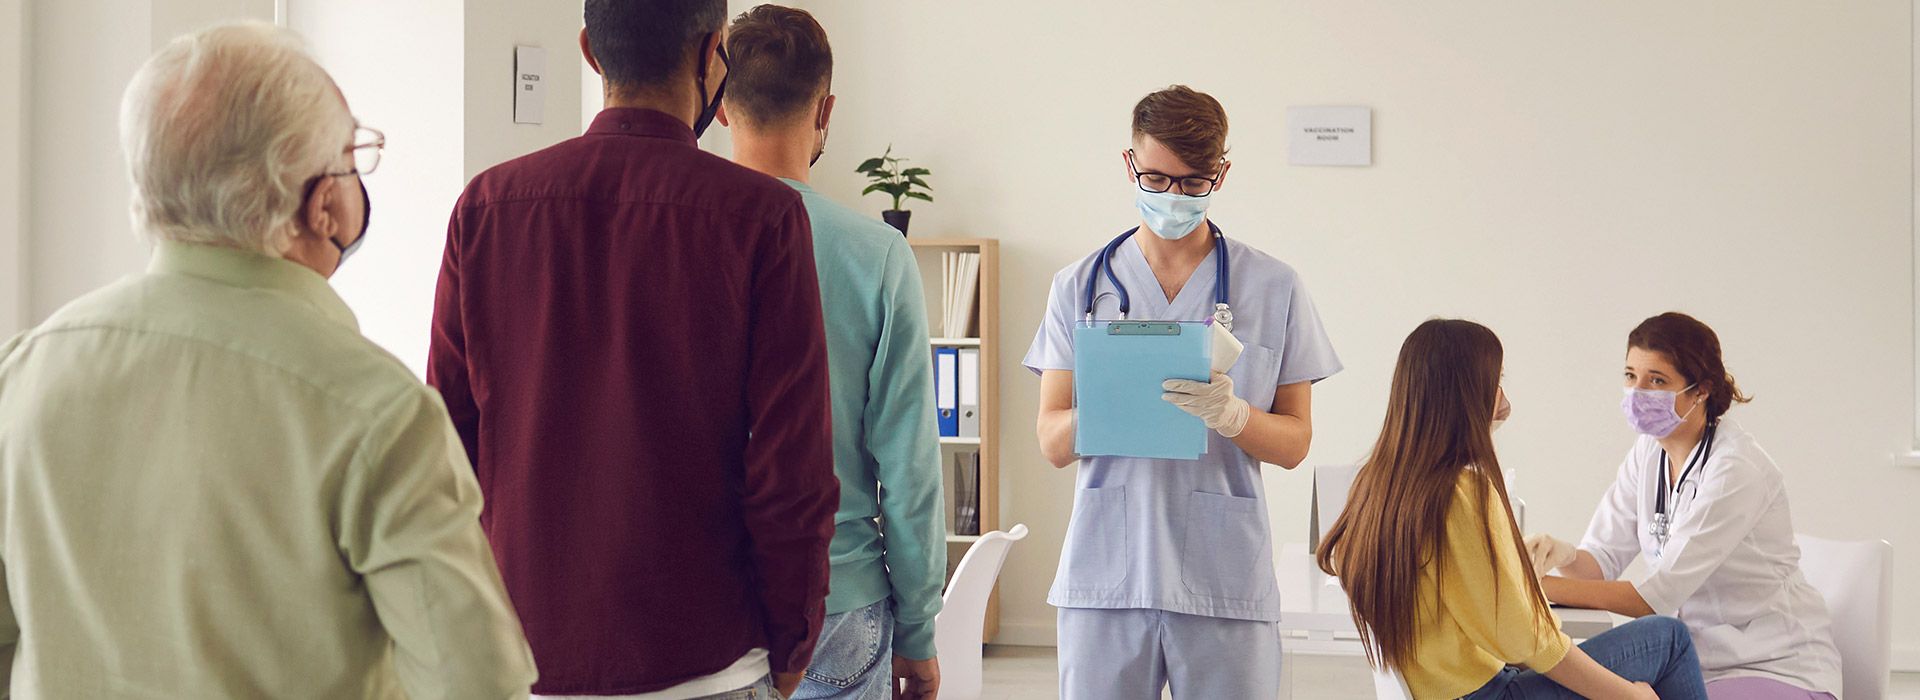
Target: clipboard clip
x,y
1143,328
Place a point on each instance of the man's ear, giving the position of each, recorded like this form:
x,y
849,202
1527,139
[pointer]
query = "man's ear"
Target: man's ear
x,y
314,217
824,115
586,49
1225,165
720,114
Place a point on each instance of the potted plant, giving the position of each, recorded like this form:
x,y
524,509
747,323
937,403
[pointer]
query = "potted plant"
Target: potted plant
x,y
901,184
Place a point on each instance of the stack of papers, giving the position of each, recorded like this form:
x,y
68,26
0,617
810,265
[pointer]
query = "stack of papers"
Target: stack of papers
x,y
962,287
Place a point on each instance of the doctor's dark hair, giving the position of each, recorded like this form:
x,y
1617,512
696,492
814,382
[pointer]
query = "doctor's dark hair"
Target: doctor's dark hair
x,y
1694,350
1439,426
781,64
643,43
1188,122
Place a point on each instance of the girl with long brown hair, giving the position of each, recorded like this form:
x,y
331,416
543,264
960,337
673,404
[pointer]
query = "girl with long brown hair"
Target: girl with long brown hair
x,y
1431,559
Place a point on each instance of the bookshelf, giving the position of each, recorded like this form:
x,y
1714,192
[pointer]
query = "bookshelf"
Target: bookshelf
x,y
928,252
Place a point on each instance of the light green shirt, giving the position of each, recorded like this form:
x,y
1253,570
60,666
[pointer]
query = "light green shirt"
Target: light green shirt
x,y
212,486
886,447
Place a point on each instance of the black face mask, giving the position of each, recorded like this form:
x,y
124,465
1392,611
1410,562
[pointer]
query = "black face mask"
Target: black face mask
x,y
700,123
366,217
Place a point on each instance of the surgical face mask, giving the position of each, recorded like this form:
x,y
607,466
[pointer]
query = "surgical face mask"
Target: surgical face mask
x,y
819,149
1650,411
1168,215
1500,411
366,217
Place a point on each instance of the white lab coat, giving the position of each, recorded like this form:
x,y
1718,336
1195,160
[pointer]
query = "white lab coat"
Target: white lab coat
x,y
1730,568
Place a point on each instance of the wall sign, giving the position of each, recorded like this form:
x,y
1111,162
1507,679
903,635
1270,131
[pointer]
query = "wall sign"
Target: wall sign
x,y
529,95
1330,135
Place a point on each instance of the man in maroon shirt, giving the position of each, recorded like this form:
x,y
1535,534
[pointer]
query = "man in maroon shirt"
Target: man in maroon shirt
x,y
627,332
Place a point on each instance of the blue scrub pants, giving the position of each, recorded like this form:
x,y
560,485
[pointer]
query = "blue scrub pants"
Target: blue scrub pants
x,y
1129,654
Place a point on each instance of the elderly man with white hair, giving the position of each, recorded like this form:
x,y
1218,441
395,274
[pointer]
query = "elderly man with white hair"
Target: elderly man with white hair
x,y
211,485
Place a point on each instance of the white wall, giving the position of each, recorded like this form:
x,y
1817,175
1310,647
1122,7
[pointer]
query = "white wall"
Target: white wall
x,y
79,234
1556,171
13,144
400,66
493,28
81,55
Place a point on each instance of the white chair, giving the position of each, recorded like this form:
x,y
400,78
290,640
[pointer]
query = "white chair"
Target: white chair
x,y
1388,684
958,629
1856,578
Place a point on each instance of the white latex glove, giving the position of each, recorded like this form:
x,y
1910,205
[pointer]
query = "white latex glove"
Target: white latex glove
x,y
1549,553
1213,402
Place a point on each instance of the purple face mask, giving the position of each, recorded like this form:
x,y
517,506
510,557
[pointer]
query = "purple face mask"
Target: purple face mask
x,y
1650,411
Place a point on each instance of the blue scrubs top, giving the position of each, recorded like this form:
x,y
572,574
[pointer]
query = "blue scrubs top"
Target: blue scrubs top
x,y
1187,536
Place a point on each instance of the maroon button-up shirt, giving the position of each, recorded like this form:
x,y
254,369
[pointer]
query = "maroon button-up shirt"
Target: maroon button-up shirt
x,y
628,336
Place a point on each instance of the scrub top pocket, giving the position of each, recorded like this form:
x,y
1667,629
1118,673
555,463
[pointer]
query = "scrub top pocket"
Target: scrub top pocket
x,y
1256,375
1226,553
1096,556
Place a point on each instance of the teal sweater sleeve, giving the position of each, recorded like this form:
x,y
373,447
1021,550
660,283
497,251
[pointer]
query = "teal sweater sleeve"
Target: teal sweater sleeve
x,y
902,436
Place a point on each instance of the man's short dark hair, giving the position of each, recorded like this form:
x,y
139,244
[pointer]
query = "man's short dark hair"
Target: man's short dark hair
x,y
642,43
781,64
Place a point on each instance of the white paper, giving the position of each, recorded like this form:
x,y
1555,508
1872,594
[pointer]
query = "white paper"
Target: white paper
x,y
943,370
1330,135
970,377
529,94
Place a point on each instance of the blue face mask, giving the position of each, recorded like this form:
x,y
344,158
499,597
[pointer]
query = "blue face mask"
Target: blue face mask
x,y
1168,215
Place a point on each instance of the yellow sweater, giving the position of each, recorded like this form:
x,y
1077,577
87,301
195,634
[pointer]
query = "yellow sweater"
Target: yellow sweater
x,y
1484,619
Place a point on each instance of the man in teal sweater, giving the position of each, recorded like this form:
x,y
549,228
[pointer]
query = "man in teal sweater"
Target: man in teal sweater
x,y
889,545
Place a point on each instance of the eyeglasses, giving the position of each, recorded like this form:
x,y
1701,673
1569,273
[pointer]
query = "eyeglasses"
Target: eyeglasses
x,y
368,142
1189,185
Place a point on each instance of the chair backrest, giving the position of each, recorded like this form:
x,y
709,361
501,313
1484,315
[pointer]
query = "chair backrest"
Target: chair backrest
x,y
1856,578
962,621
1331,484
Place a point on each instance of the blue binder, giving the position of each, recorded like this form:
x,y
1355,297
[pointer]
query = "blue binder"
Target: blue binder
x,y
1118,368
946,389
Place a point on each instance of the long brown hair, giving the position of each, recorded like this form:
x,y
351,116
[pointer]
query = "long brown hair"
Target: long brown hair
x,y
1439,423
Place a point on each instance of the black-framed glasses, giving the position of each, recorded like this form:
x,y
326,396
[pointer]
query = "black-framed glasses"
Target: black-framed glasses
x,y
368,142
1157,183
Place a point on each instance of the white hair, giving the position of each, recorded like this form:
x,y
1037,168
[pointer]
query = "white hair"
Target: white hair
x,y
223,130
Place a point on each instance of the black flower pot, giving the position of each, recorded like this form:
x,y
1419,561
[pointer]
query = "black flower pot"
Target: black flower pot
x,y
897,218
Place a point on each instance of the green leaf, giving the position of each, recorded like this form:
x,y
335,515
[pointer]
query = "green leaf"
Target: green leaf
x,y
868,165
915,179
898,188
875,187
919,195
910,172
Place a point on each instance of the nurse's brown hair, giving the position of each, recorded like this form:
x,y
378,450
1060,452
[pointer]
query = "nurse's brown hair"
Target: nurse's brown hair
x,y
1439,423
1694,350
1190,123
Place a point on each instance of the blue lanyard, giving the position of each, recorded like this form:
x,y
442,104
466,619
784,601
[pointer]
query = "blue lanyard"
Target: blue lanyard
x,y
1104,263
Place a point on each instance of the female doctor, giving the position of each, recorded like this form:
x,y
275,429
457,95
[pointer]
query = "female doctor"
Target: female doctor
x,y
1167,572
1707,507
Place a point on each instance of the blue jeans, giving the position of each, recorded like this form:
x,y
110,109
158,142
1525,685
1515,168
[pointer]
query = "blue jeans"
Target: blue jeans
x,y
854,658
1655,650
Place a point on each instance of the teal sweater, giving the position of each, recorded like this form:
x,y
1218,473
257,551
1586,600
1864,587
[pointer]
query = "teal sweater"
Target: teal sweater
x,y
886,447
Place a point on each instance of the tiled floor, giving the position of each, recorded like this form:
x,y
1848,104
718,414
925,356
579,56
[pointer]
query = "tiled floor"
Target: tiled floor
x,y
1030,673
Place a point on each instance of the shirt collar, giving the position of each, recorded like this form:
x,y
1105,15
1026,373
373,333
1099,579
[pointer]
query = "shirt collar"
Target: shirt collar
x,y
633,121
239,268
797,185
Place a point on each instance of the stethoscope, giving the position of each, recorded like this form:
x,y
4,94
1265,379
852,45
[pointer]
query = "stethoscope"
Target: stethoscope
x,y
1662,523
1222,313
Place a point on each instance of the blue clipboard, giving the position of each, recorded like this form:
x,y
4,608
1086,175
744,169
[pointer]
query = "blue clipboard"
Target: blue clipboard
x,y
1118,368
